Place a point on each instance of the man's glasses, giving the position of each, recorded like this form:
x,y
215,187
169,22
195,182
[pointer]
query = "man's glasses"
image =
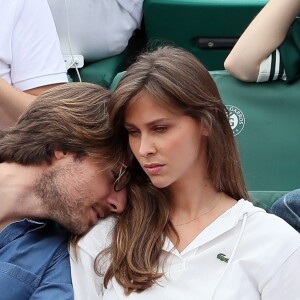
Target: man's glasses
x,y
122,179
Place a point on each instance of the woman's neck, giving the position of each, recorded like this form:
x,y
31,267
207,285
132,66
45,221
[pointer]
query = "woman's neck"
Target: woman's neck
x,y
190,196
193,210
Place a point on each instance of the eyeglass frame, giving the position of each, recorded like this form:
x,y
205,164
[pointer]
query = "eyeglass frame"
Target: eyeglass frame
x,y
124,171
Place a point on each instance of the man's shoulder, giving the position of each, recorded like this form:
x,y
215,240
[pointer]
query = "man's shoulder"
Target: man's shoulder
x,y
41,237
51,233
34,247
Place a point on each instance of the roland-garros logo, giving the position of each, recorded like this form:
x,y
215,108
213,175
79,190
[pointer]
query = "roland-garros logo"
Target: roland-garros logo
x,y
236,119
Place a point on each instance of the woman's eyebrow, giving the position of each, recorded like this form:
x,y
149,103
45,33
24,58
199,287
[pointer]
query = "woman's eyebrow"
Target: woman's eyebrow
x,y
149,124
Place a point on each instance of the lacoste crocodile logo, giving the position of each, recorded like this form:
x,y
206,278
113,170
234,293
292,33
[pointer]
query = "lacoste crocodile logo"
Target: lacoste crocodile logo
x,y
222,257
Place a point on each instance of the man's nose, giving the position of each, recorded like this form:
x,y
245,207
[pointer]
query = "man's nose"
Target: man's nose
x,y
117,201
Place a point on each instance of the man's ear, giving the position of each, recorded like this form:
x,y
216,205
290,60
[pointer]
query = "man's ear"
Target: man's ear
x,y
58,154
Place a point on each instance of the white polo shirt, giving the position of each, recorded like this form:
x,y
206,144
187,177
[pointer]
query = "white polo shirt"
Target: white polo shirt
x,y
95,29
30,54
246,254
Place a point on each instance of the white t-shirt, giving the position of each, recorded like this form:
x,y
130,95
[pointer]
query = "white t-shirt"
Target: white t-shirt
x,y
30,54
97,28
244,254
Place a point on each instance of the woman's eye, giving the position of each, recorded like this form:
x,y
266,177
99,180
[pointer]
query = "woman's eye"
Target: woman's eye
x,y
160,128
132,132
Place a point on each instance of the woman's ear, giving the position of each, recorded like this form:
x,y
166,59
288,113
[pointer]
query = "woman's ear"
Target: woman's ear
x,y
204,129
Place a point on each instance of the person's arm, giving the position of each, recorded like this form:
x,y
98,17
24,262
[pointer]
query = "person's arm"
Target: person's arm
x,y
39,90
264,34
12,103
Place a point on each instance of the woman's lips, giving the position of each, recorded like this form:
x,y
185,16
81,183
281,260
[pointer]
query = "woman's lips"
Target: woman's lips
x,y
153,169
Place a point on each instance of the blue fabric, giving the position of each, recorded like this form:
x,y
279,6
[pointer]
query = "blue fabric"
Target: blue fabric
x,y
288,208
34,262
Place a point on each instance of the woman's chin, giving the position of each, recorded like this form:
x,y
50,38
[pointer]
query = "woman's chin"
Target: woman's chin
x,y
160,184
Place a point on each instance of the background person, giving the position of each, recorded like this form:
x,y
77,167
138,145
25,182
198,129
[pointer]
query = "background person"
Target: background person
x,y
30,57
288,208
187,231
96,29
269,49
61,175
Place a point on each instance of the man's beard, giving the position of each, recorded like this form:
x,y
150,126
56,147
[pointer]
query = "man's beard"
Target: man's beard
x,y
57,201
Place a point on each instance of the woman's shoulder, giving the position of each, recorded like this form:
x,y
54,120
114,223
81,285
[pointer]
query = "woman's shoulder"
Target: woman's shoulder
x,y
99,237
275,225
276,236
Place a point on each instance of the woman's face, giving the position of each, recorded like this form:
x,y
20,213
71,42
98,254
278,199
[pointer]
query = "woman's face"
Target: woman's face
x,y
170,147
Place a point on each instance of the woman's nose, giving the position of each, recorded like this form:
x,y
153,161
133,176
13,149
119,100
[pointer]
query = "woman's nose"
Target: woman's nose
x,y
146,146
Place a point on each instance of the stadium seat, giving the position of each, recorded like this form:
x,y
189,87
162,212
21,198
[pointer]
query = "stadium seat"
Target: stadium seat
x,y
206,28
